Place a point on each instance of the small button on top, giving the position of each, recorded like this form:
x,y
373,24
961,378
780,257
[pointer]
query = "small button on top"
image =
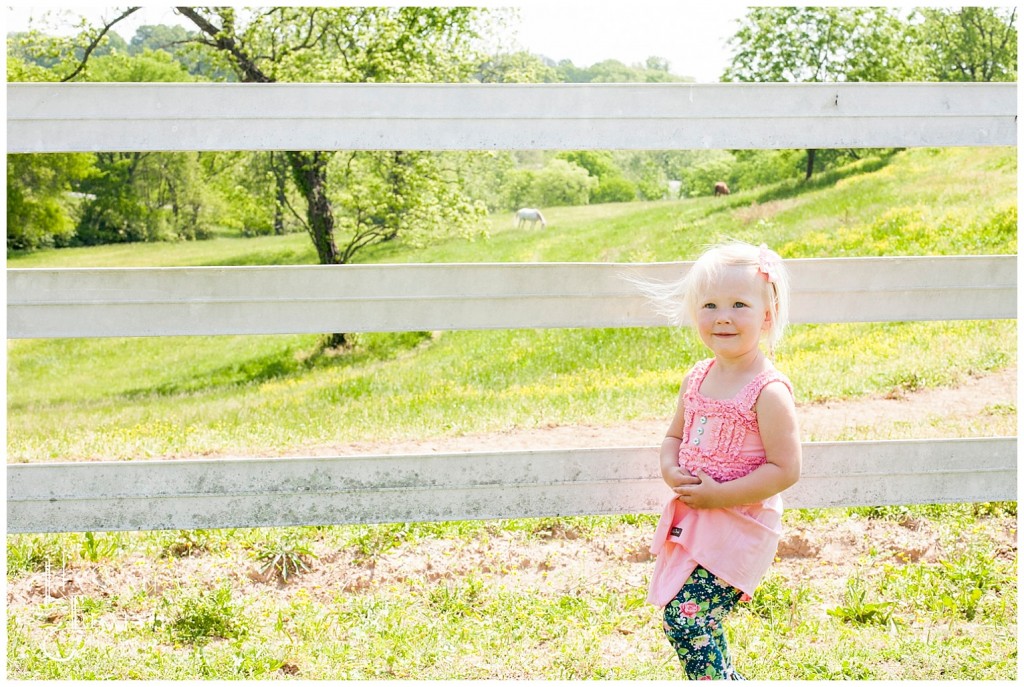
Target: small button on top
x,y
703,420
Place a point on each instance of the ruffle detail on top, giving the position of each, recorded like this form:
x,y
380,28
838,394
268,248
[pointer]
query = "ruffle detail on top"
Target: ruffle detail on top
x,y
715,431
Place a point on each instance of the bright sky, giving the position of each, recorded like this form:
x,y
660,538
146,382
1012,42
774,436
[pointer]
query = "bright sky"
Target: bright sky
x,y
691,36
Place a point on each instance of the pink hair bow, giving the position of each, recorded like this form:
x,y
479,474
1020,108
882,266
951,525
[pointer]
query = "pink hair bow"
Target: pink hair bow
x,y
768,264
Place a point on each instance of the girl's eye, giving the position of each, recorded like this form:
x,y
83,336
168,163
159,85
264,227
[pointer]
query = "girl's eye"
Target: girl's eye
x,y
710,306
738,304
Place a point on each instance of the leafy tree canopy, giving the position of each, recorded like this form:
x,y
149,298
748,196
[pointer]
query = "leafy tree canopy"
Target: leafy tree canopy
x,y
817,44
807,44
969,44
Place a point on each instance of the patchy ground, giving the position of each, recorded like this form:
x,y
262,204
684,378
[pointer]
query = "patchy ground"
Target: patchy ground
x,y
828,551
818,422
822,554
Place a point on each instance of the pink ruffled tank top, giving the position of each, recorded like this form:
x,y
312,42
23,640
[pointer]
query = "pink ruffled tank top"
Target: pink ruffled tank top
x,y
736,544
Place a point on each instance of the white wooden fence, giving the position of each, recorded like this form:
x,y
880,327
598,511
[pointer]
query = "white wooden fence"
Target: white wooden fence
x,y
129,117
256,300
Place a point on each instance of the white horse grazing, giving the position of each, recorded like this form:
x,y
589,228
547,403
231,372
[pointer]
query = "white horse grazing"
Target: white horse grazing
x,y
530,215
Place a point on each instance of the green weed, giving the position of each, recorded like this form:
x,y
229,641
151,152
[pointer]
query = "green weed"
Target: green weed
x,y
459,598
282,557
372,541
779,603
187,543
460,626
967,578
858,609
37,552
197,617
93,549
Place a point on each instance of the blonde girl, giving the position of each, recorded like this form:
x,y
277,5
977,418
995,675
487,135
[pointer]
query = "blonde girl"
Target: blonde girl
x,y
731,448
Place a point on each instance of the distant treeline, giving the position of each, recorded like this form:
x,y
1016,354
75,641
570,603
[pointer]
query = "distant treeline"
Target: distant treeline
x,y
70,199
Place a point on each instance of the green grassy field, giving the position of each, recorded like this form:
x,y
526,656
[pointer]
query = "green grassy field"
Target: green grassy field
x,y
184,605
918,593
135,398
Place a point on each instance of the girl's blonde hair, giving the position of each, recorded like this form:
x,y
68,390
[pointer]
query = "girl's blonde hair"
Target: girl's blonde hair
x,y
680,300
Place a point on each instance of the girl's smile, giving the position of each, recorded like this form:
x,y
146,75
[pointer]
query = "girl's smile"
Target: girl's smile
x,y
733,314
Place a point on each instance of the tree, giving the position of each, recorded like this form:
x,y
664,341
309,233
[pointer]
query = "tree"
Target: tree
x,y
177,41
655,70
562,183
143,196
873,44
43,194
517,67
614,190
598,163
398,191
612,186
65,57
969,44
820,44
559,182
143,66
647,169
41,200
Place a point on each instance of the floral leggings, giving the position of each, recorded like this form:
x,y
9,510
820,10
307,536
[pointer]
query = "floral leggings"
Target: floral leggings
x,y
693,626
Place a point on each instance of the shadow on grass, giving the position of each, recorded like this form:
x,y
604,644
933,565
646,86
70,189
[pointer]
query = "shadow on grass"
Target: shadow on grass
x,y
798,186
826,179
268,258
287,363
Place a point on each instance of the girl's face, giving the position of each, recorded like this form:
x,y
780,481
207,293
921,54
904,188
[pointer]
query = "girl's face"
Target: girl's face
x,y
733,313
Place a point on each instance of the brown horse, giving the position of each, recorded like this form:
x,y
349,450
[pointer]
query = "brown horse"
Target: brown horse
x,y
721,189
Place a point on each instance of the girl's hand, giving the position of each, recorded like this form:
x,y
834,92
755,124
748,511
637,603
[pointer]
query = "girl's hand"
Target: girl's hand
x,y
700,492
676,476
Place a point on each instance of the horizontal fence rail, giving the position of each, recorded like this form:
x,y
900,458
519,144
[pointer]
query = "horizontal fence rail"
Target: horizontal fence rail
x,y
263,492
189,494
202,116
359,298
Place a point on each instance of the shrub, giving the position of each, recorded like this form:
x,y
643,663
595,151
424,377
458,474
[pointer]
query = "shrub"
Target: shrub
x,y
614,190
562,183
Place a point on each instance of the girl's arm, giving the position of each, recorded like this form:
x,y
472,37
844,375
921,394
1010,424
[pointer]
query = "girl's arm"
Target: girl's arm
x,y
674,475
776,419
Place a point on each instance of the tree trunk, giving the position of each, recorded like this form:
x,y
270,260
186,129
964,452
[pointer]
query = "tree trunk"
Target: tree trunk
x,y
309,170
280,200
810,162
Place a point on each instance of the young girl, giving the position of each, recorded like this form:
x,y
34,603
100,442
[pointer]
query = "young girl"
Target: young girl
x,y
732,447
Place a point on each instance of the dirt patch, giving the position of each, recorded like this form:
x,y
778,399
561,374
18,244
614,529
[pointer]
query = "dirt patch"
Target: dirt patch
x,y
826,421
758,212
824,552
818,422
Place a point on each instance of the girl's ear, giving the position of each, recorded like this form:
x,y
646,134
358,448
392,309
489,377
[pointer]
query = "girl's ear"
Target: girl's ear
x,y
767,324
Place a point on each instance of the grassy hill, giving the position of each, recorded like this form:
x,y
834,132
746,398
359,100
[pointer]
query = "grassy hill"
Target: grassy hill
x,y
133,398
918,592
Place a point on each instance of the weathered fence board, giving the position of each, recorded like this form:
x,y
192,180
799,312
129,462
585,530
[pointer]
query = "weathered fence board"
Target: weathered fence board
x,y
154,117
358,298
295,491
147,495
